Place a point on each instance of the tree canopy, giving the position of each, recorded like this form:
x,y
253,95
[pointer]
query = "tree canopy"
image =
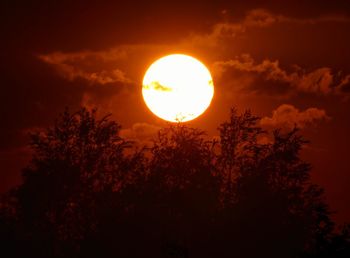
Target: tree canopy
x,y
88,193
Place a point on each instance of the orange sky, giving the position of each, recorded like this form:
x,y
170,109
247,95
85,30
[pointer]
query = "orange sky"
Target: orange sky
x,y
287,61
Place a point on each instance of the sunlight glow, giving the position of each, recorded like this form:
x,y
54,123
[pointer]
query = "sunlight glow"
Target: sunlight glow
x,y
177,88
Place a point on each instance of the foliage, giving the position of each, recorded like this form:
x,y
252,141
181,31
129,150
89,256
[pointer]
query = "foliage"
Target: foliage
x,y
88,194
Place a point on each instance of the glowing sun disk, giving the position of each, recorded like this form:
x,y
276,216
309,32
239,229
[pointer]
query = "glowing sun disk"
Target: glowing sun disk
x,y
177,88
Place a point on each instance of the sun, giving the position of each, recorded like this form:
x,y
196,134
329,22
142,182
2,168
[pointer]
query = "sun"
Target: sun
x,y
177,88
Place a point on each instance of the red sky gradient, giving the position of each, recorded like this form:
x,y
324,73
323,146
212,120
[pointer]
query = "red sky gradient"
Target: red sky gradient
x,y
287,61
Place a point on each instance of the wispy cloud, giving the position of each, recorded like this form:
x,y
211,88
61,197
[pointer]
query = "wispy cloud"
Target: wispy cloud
x,y
87,65
287,117
257,18
142,134
113,65
320,80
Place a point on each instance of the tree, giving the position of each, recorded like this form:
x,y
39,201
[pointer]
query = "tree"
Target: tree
x,y
183,188
272,197
87,194
78,164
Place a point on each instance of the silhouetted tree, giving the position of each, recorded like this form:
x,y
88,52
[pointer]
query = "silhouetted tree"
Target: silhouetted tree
x,y
77,166
245,194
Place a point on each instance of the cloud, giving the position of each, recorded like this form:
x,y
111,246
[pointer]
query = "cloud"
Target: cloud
x,y
287,117
157,86
121,64
111,65
142,134
344,85
256,18
85,56
94,67
246,63
320,80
